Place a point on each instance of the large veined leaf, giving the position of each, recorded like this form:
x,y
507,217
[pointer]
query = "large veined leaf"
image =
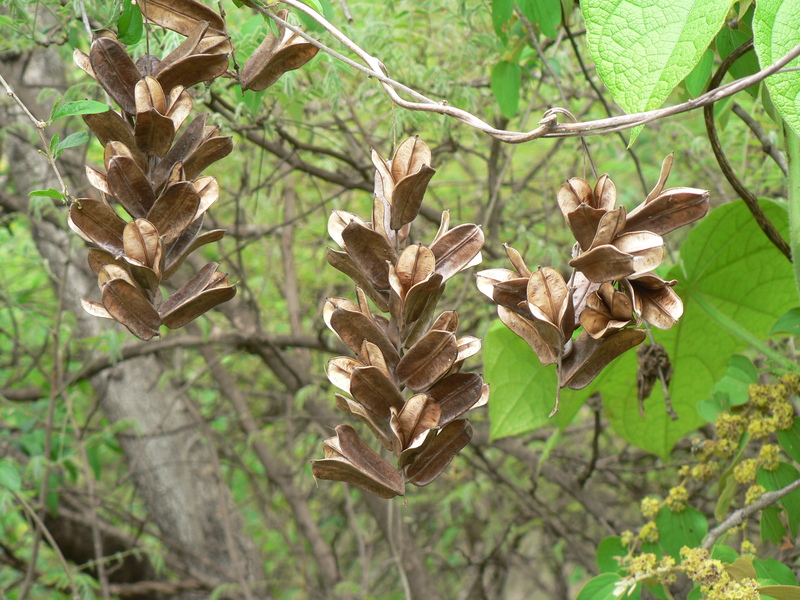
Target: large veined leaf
x,y
523,391
644,48
729,273
775,32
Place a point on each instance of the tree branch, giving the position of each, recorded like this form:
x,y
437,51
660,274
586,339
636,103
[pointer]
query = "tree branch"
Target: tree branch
x,y
738,517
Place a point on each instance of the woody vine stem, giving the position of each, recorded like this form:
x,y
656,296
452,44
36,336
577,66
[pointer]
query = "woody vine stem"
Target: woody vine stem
x,y
548,126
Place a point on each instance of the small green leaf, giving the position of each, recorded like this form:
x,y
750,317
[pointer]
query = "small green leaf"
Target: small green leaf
x,y
608,551
777,571
644,48
130,26
775,32
73,139
789,323
778,479
501,14
729,40
51,193
505,80
679,529
789,439
696,80
546,13
324,8
771,527
600,588
79,107
9,476
735,385
54,144
780,592
725,553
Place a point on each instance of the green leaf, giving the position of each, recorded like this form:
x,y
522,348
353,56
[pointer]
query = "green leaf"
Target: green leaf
x,y
771,527
79,107
505,81
73,139
724,553
607,552
54,144
789,440
780,592
523,391
324,8
501,14
775,32
778,479
9,476
696,80
679,529
547,13
729,40
788,323
735,385
644,48
129,25
772,569
51,193
600,588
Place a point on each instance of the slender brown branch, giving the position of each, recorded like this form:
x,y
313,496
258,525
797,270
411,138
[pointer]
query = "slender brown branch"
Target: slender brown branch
x,y
725,166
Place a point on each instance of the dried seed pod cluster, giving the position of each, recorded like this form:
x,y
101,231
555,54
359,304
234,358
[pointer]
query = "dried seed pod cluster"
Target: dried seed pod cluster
x,y
405,381
155,176
613,288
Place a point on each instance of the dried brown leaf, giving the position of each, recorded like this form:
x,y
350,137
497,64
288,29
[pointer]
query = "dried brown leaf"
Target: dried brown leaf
x,y
427,360
373,389
153,132
182,16
96,221
127,305
109,125
193,69
439,452
115,71
590,356
174,210
457,249
371,252
350,460
669,210
130,186
456,394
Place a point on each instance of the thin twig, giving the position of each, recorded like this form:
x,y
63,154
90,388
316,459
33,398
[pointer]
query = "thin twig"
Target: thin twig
x,y
550,128
39,126
738,517
767,146
749,198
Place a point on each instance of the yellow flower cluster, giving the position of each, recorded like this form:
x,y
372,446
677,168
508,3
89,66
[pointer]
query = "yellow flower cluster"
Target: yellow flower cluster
x,y
715,582
754,492
649,532
745,472
678,496
650,507
769,456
